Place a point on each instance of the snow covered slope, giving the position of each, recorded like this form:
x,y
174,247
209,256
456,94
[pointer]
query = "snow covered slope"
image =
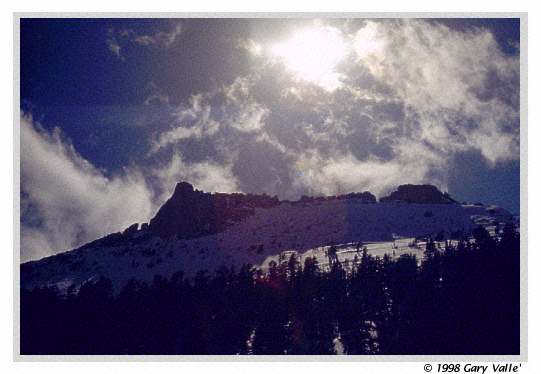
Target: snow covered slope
x,y
308,228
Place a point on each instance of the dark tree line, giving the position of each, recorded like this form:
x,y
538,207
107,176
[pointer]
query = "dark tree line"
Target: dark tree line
x,y
462,299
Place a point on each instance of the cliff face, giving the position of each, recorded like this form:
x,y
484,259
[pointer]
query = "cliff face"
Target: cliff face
x,y
192,213
419,194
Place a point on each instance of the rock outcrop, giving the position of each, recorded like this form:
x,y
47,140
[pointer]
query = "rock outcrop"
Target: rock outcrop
x,y
191,213
420,194
365,197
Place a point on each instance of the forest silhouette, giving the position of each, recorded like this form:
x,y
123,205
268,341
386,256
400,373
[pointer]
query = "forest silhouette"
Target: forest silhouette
x,y
462,298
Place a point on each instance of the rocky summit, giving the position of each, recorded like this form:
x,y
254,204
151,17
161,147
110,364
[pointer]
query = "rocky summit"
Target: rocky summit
x,y
191,213
418,194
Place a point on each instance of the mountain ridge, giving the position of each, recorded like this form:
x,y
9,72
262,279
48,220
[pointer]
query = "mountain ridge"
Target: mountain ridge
x,y
242,229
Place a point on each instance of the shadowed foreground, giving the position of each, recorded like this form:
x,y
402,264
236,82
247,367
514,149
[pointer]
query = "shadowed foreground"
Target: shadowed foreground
x,y
463,299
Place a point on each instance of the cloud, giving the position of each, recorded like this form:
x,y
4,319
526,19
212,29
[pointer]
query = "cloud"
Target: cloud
x,y
229,108
161,39
71,201
193,121
251,118
342,173
460,88
113,45
250,46
413,95
206,176
156,96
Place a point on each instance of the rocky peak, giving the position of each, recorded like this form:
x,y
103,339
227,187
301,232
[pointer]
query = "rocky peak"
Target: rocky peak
x,y
420,194
182,189
187,213
192,213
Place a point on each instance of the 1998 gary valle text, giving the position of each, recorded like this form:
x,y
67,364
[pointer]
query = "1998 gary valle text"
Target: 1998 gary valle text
x,y
473,368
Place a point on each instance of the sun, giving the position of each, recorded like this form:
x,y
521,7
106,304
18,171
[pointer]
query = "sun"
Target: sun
x,y
312,54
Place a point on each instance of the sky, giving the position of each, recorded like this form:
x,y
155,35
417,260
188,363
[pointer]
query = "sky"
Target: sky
x,y
115,111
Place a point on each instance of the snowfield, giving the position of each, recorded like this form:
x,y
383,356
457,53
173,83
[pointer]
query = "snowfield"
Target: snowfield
x,y
307,229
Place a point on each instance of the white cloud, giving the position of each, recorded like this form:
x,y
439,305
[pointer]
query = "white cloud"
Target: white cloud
x,y
250,46
446,78
114,46
176,134
195,121
250,118
368,42
160,39
206,176
164,39
73,201
342,173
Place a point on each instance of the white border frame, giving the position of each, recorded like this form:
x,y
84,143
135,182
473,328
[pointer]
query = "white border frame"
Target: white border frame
x,y
523,357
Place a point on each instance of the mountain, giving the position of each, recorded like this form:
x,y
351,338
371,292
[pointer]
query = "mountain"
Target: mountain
x,y
196,231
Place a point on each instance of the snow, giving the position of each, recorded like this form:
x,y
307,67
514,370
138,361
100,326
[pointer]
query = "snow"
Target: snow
x,y
308,229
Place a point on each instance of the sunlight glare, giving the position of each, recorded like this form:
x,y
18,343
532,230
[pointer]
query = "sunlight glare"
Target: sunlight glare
x,y
369,46
312,54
